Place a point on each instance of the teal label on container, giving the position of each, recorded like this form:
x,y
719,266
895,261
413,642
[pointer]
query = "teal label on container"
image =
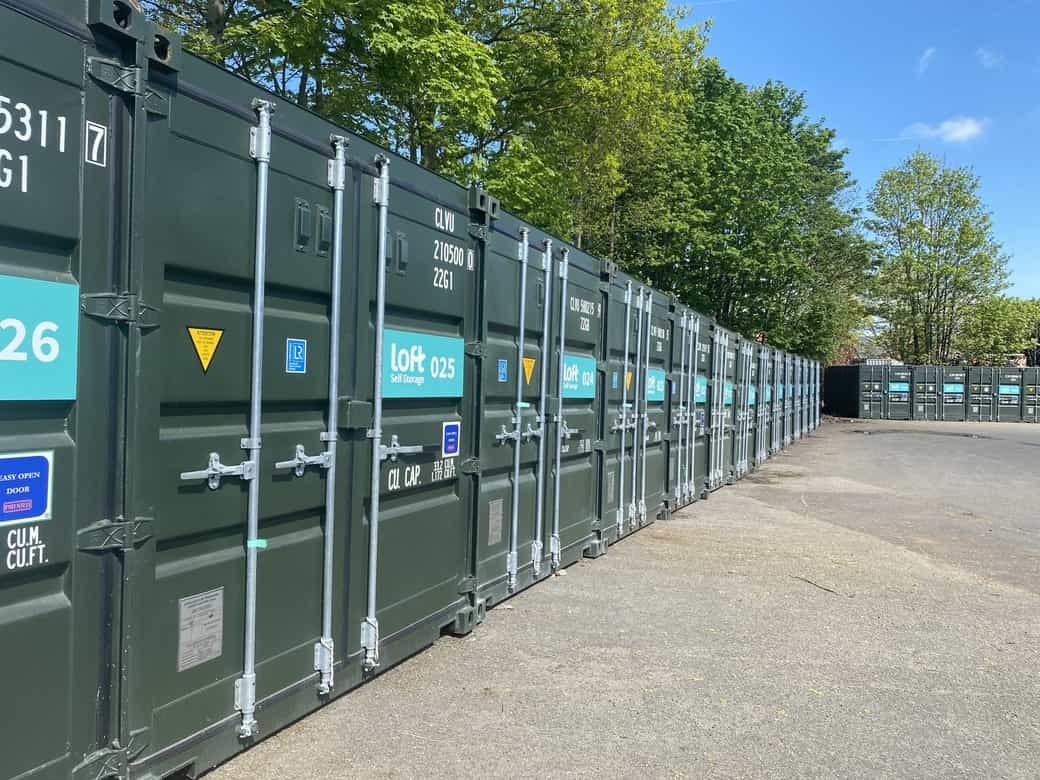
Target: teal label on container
x,y
1009,390
769,394
752,395
780,392
899,387
418,365
700,390
579,377
953,388
654,384
727,394
39,339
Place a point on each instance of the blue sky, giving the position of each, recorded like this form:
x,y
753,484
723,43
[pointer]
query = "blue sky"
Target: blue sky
x,y
957,79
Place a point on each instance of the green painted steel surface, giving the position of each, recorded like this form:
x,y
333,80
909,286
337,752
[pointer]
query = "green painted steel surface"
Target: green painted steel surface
x,y
130,216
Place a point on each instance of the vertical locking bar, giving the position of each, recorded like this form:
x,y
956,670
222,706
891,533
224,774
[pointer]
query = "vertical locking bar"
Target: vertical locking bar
x,y
646,405
514,523
324,650
370,625
554,542
260,149
543,412
678,493
624,413
633,507
691,401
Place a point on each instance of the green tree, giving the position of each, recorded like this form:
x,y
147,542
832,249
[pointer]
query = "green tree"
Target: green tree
x,y
745,214
940,258
998,328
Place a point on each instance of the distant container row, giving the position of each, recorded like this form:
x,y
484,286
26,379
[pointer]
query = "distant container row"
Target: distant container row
x,y
975,393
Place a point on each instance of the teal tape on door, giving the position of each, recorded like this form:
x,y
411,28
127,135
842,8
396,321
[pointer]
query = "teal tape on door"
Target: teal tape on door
x,y
752,395
39,339
579,377
727,394
655,384
700,390
899,387
418,365
1009,390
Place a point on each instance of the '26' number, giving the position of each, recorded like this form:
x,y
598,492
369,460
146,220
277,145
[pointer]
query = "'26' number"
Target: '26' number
x,y
45,348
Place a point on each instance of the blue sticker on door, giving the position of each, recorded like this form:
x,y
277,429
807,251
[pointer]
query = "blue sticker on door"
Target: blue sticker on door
x,y
296,356
39,339
419,365
579,377
25,487
654,384
700,391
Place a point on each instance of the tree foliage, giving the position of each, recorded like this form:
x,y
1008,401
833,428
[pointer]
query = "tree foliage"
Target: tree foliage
x,y
999,328
600,120
940,259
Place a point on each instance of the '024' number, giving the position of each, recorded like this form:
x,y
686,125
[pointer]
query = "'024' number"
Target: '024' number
x,y
45,348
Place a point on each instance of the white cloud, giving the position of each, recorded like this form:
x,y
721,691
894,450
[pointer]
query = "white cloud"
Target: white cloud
x,y
925,59
988,58
957,130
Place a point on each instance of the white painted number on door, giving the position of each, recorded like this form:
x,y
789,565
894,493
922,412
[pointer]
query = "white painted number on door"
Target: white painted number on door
x,y
97,144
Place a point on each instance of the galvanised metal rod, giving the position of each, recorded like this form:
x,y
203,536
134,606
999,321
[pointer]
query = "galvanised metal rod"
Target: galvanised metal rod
x,y
370,625
691,401
624,413
679,415
536,546
554,542
646,404
514,529
324,651
261,152
633,507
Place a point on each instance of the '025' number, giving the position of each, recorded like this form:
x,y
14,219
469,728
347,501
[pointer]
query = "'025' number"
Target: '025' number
x,y
45,348
442,367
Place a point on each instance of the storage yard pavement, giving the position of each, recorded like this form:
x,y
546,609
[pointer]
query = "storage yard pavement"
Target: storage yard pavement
x,y
867,604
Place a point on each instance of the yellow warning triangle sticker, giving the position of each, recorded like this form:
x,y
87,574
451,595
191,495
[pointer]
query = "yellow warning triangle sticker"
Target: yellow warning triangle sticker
x,y
528,368
205,341
628,380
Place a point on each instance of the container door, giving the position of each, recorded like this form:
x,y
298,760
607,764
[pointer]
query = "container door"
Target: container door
x,y
512,548
898,390
1031,395
926,386
699,465
1009,395
954,395
63,541
577,387
619,425
229,437
658,423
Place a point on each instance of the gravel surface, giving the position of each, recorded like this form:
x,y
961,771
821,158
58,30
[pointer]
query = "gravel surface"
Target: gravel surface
x,y
865,605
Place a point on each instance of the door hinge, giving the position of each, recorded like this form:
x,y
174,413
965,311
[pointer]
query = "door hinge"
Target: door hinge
x,y
468,585
120,307
475,349
470,466
111,762
479,232
116,75
120,535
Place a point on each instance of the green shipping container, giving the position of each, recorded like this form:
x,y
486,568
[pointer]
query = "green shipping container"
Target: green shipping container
x,y
279,409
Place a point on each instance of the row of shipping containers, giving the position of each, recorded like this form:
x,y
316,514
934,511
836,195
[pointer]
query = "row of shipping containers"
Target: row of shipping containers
x,y
897,392
278,409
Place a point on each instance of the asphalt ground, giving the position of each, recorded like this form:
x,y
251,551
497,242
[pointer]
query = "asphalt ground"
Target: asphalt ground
x,y
867,604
